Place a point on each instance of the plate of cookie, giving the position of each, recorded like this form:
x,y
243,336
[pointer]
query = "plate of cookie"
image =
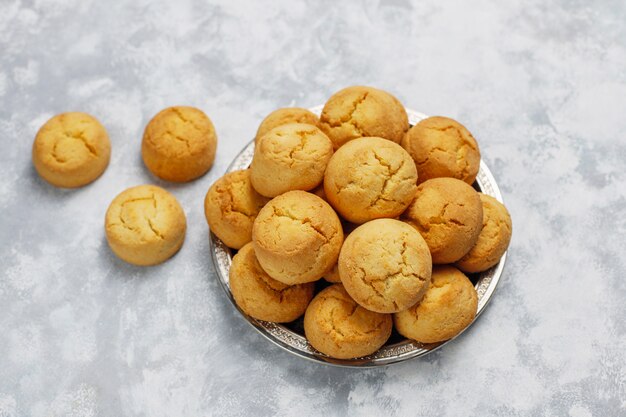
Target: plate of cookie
x,y
358,233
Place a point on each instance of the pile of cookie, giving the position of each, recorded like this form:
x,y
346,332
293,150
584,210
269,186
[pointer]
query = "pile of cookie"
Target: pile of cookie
x,y
383,211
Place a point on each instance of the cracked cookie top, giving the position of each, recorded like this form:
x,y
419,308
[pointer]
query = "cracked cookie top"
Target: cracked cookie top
x,y
71,150
179,144
493,239
385,265
336,325
290,157
443,147
285,116
262,297
361,111
230,207
370,178
145,225
449,215
297,237
448,307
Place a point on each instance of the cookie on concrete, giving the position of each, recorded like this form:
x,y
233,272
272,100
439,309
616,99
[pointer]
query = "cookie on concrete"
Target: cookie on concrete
x,y
71,150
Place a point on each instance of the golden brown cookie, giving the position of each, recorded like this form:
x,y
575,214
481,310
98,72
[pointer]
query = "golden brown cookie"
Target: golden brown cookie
x,y
145,225
71,150
385,265
284,116
493,239
337,326
179,144
359,111
297,237
262,297
290,157
448,214
448,307
230,207
443,147
370,178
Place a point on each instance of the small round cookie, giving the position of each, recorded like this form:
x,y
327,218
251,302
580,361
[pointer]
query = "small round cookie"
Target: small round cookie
x,y
179,144
297,237
145,225
359,111
385,265
448,214
284,116
262,297
290,157
443,147
230,207
71,150
337,326
448,307
493,239
370,178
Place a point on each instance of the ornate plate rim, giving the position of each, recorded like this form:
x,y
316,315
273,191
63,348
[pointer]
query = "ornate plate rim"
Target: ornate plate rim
x,y
398,352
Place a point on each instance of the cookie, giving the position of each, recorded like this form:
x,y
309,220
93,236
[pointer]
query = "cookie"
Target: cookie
x,y
262,297
443,147
71,150
284,116
359,111
449,215
297,237
179,144
493,239
337,326
145,225
370,178
290,157
448,307
230,207
385,265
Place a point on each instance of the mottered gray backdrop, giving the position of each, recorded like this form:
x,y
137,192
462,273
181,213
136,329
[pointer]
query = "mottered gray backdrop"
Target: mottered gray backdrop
x,y
542,85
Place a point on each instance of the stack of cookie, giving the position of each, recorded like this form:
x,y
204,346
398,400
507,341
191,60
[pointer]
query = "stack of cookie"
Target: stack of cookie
x,y
383,211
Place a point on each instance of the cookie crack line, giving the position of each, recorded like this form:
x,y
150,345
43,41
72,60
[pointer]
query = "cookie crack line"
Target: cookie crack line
x,y
348,117
148,219
333,325
370,283
304,222
179,138
389,175
303,135
80,137
180,116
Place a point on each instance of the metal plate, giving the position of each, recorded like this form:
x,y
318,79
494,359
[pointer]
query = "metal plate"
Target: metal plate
x,y
398,351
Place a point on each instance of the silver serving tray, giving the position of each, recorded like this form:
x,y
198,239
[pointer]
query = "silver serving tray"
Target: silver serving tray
x,y
296,343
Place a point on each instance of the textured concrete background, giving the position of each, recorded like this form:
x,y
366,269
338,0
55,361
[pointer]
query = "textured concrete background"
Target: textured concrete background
x,y
543,89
